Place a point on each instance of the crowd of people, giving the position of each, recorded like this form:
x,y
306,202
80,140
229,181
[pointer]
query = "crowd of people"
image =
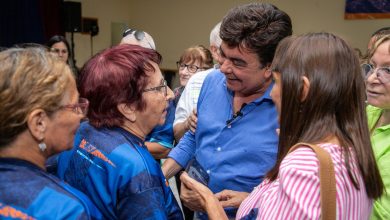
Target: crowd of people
x,y
246,131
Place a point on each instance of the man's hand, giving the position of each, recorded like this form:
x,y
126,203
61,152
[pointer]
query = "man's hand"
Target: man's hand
x,y
230,198
191,198
192,121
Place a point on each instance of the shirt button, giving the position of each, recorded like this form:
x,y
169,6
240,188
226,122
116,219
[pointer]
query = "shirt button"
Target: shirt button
x,y
219,148
229,126
208,171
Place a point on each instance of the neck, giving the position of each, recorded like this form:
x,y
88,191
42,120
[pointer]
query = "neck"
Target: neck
x,y
240,98
384,119
23,149
134,130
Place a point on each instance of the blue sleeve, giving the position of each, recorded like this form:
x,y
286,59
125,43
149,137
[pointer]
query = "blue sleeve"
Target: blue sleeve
x,y
185,150
163,134
147,205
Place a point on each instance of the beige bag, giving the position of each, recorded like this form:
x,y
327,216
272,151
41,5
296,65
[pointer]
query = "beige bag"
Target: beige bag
x,y
327,181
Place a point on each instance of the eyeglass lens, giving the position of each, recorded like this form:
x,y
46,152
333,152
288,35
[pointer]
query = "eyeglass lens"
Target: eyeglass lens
x,y
383,73
191,68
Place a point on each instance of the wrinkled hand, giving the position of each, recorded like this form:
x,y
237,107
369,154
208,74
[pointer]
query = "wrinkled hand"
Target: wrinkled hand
x,y
230,198
192,121
194,194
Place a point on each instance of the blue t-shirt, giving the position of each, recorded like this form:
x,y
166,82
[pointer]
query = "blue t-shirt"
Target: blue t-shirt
x,y
115,169
28,192
236,152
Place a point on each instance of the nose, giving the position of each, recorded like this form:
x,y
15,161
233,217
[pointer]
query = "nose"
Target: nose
x,y
373,77
170,94
184,71
225,66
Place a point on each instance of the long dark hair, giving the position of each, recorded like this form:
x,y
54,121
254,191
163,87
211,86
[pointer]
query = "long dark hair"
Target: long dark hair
x,y
334,105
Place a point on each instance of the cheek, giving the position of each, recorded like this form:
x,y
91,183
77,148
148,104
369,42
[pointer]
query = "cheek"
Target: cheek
x,y
275,95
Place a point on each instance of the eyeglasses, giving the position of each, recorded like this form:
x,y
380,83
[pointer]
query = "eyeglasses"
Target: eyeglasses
x,y
58,51
160,88
79,108
139,35
383,73
191,68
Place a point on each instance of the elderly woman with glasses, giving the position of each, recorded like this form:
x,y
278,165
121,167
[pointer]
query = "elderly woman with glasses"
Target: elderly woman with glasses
x,y
39,115
377,71
193,60
109,162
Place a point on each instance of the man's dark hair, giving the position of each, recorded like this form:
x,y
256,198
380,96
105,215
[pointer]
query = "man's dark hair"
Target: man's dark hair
x,y
257,27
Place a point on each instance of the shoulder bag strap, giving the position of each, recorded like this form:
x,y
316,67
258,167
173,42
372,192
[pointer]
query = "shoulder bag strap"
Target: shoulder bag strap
x,y
327,181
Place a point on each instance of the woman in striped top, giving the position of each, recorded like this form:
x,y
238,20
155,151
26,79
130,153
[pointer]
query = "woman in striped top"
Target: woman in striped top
x,y
319,93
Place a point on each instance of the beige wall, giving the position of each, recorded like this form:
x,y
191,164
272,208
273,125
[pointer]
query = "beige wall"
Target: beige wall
x,y
178,24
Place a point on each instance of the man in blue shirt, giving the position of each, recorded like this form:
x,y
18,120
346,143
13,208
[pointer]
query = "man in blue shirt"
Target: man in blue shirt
x,y
235,141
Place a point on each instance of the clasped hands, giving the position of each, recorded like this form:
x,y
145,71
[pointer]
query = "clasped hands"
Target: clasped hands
x,y
196,196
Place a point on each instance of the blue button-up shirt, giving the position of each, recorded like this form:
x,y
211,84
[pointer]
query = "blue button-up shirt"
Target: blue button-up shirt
x,y
236,155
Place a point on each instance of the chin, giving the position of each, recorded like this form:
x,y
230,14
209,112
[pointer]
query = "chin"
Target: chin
x,y
162,121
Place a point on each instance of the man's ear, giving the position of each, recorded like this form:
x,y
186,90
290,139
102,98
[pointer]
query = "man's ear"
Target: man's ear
x,y
37,122
128,111
268,71
305,88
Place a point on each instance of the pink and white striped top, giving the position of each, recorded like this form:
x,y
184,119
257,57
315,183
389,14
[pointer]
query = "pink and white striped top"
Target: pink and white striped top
x,y
295,194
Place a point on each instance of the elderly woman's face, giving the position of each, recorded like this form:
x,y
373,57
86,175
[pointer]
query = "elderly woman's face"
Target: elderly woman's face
x,y
64,123
378,88
156,95
187,69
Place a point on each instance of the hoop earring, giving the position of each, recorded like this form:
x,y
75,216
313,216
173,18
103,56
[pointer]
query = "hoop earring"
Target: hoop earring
x,y
42,146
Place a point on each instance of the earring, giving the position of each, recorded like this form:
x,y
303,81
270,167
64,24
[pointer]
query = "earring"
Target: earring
x,y
42,146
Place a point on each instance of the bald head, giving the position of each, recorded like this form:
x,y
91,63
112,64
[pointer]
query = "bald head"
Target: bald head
x,y
136,37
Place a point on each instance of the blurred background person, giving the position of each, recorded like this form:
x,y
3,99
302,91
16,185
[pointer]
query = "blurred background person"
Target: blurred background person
x,y
378,34
39,115
110,162
59,45
138,37
308,93
193,60
185,114
377,72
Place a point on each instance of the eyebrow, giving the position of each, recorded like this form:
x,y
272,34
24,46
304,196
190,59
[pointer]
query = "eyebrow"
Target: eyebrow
x,y
233,59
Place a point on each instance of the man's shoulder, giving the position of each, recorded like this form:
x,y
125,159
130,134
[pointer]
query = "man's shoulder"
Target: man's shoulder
x,y
214,76
200,76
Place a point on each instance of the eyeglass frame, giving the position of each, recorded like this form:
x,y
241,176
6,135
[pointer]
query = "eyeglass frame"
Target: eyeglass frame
x,y
179,66
157,88
81,107
138,35
376,70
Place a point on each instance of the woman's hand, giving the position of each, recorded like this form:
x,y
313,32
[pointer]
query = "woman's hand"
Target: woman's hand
x,y
230,198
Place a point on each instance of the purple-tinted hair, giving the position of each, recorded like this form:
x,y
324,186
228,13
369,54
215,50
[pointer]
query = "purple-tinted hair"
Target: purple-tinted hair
x,y
113,76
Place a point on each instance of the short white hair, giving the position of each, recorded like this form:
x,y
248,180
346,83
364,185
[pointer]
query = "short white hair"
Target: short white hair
x,y
146,42
214,36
